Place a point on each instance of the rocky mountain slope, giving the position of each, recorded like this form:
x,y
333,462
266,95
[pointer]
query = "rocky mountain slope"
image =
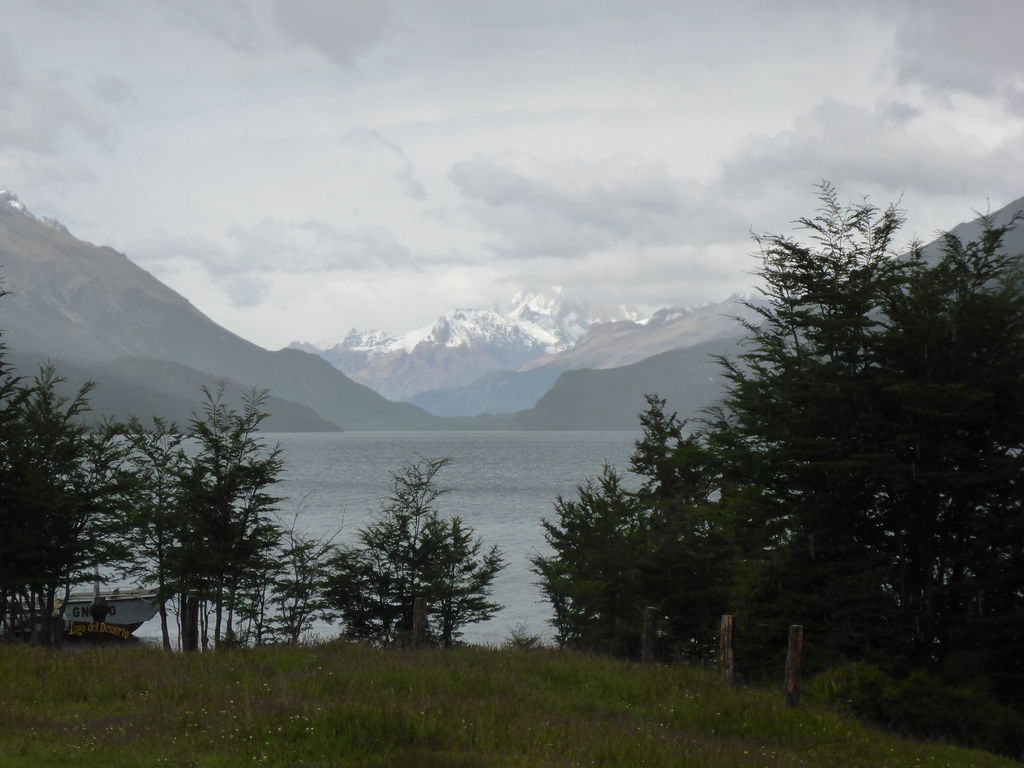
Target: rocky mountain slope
x,y
86,304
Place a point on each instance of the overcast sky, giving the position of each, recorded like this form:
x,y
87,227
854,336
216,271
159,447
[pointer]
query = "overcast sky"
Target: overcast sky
x,y
296,168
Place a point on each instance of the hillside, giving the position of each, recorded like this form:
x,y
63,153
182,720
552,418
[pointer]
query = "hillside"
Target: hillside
x,y
88,305
145,387
689,379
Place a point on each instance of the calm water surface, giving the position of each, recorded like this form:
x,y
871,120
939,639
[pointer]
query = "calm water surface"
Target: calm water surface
x,y
500,483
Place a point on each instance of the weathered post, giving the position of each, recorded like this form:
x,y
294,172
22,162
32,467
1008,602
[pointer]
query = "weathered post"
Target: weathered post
x,y
725,650
190,624
792,684
98,611
650,629
419,621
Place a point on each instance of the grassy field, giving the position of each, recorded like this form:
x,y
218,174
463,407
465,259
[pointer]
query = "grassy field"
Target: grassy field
x,y
345,705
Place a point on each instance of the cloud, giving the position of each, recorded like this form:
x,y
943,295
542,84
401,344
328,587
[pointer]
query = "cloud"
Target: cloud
x,y
39,112
565,209
372,141
974,48
339,29
113,90
891,147
274,247
245,290
310,246
232,22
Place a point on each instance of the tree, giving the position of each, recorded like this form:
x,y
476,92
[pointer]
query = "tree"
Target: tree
x,y
873,425
617,551
224,526
61,491
157,462
410,551
802,415
298,590
594,576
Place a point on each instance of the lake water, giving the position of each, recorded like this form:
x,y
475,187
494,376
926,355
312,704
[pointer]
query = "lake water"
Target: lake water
x,y
500,483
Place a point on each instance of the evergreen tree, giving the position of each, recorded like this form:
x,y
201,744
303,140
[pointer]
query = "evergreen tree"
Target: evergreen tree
x,y
873,429
298,585
61,491
157,462
594,577
616,551
802,418
410,551
224,526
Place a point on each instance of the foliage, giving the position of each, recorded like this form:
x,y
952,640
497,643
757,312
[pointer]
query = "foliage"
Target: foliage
x,y
922,705
594,579
410,551
876,422
616,551
861,476
157,462
300,583
226,536
61,488
520,638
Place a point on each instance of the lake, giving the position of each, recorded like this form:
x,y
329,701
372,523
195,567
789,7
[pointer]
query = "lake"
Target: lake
x,y
500,483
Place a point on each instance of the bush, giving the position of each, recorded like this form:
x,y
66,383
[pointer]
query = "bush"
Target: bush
x,y
923,706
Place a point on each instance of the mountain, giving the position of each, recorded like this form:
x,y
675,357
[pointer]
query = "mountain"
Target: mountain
x,y
461,346
145,387
611,399
85,304
967,231
603,345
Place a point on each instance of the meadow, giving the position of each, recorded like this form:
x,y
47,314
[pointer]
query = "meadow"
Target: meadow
x,y
349,705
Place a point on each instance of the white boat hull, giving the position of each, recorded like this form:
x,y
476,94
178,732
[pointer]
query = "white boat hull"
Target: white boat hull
x,y
128,608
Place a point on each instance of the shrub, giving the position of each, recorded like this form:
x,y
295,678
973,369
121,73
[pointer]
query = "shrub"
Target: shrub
x,y
922,705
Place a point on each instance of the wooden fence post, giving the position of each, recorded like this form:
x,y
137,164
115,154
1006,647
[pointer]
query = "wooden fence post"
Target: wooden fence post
x,y
792,684
725,647
650,629
419,621
190,623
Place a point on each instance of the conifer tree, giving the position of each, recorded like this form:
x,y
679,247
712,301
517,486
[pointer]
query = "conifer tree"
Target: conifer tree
x,y
411,551
224,525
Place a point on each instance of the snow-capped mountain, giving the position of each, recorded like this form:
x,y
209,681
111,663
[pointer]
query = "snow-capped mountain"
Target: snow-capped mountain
x,y
10,200
461,345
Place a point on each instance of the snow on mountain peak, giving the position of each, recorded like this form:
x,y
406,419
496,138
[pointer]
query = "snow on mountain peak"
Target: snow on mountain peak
x,y
8,198
535,323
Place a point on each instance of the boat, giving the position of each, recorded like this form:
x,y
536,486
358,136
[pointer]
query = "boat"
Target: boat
x,y
127,608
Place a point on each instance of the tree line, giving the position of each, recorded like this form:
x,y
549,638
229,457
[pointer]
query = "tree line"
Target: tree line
x,y
190,513
862,475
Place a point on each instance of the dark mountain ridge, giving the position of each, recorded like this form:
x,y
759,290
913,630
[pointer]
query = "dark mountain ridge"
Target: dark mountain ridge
x,y
86,304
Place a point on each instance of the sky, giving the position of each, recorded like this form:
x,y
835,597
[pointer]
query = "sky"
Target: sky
x,y
299,168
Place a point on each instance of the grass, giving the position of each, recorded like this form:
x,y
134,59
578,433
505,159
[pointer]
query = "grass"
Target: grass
x,y
346,705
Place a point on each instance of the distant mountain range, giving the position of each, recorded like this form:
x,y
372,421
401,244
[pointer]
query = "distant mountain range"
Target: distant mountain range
x,y
474,361
462,345
547,363
604,345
